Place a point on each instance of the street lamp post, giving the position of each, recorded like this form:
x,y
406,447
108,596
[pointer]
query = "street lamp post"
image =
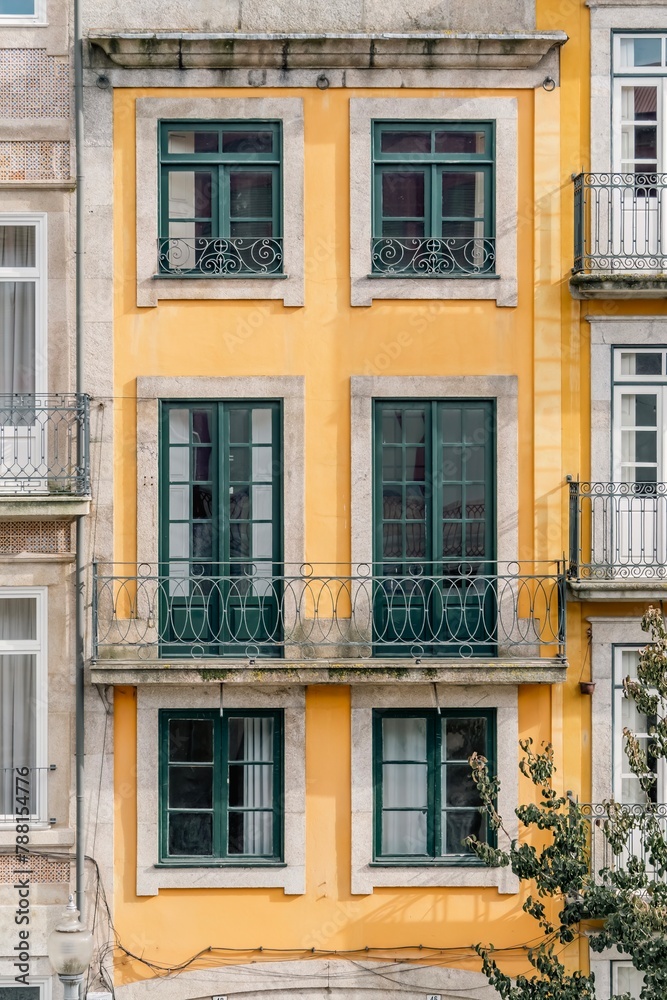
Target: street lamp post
x,y
70,949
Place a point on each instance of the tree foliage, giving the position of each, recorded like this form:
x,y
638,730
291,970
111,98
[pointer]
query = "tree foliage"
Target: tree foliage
x,y
622,905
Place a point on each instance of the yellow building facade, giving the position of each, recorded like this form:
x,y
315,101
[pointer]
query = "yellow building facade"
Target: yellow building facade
x,y
353,341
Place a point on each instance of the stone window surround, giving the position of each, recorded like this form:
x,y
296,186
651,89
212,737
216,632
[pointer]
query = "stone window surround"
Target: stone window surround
x,y
288,389
41,652
503,389
149,111
26,20
291,875
365,110
365,698
41,279
605,19
607,333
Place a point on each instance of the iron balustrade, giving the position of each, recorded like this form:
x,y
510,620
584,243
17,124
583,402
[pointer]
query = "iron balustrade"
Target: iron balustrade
x,y
44,444
187,610
619,222
431,256
617,531
220,257
619,832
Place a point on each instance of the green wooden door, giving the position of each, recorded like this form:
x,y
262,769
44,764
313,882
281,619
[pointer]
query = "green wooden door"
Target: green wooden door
x,y
220,537
434,528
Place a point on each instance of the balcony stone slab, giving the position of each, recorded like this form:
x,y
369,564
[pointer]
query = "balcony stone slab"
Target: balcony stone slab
x,y
646,589
619,286
517,670
42,507
327,50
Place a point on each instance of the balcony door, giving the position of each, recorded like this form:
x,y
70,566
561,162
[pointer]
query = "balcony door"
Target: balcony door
x,y
639,206
23,448
220,537
637,513
434,478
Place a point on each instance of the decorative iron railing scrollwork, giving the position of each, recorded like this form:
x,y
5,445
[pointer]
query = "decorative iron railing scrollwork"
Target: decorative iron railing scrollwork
x,y
433,256
44,444
220,257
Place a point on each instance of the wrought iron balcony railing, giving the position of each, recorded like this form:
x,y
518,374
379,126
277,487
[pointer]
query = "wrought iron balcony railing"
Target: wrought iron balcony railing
x,y
638,832
187,610
618,531
620,222
44,445
454,257
220,257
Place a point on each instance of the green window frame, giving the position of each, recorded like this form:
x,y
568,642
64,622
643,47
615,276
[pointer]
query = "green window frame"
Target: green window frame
x,y
438,793
220,547
220,199
205,816
433,198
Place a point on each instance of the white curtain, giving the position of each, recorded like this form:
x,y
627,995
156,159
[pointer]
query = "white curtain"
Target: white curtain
x,y
257,785
17,312
18,700
404,786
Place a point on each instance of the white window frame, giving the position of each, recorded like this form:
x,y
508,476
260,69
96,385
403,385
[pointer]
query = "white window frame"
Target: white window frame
x,y
618,752
39,275
38,18
39,648
635,76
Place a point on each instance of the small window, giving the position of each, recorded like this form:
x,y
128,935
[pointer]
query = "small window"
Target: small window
x,y
220,199
22,12
22,706
433,211
426,802
221,787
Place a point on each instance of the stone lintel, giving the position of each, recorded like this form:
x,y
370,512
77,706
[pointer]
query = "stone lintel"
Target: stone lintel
x,y
354,50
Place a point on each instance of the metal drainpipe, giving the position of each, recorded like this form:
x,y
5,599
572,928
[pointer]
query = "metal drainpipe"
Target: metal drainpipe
x,y
81,454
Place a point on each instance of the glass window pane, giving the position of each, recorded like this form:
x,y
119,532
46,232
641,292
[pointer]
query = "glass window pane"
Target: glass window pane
x,y
19,8
202,540
262,502
190,834
250,833
452,503
415,425
201,426
462,194
18,694
179,502
405,142
459,788
404,833
261,426
239,423
190,194
202,464
392,424
262,464
191,740
202,502
404,786
641,364
456,826
251,785
190,787
392,464
250,194
247,142
17,337
179,426
179,540
415,465
187,141
628,980
460,142
18,618
403,194
644,104
463,737
179,464
476,540
251,739
17,246
404,739
647,51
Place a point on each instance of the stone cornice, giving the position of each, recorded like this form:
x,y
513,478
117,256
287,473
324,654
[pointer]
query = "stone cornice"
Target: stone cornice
x,y
357,50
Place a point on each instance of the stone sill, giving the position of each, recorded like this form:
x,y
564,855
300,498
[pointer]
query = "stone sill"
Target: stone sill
x,y
301,50
66,185
380,671
42,507
618,590
46,837
619,286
